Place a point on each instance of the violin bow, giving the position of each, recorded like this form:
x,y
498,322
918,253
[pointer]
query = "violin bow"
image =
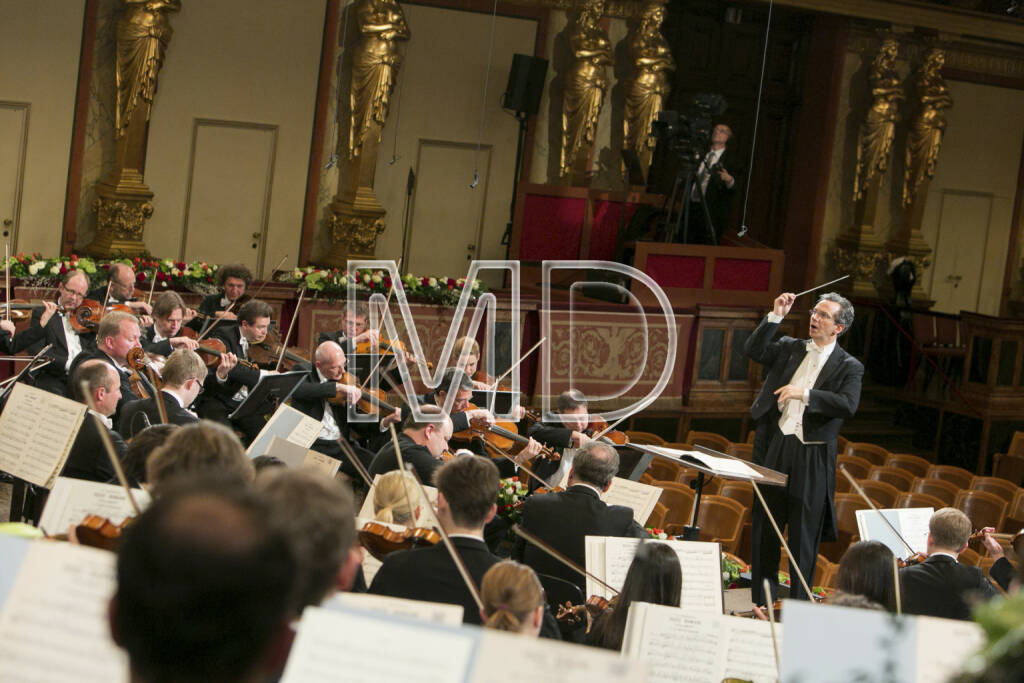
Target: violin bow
x,y
896,585
782,539
463,571
7,276
504,454
291,326
152,286
860,491
215,322
516,364
527,536
256,294
771,622
108,445
349,452
106,299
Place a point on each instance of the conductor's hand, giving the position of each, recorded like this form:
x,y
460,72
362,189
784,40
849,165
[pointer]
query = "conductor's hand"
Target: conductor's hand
x,y
788,392
783,303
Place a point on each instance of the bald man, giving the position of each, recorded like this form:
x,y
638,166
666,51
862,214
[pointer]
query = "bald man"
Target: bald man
x,y
88,458
312,398
122,290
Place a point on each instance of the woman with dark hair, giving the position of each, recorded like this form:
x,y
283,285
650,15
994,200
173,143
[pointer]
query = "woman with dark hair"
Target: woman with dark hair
x,y
654,576
866,569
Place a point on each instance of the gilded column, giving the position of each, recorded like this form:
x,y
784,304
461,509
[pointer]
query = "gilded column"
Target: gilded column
x,y
922,154
585,88
647,89
356,216
858,249
123,199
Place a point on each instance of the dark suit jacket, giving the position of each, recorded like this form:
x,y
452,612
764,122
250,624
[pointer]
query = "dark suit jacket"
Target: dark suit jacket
x,y
309,398
719,196
942,587
132,423
208,307
412,453
239,375
834,397
339,338
161,348
88,457
1003,572
563,520
127,395
558,437
52,377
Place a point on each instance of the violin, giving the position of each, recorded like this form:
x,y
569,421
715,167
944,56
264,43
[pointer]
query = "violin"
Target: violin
x,y
272,351
614,436
594,607
100,532
212,349
386,347
502,435
22,310
381,540
371,403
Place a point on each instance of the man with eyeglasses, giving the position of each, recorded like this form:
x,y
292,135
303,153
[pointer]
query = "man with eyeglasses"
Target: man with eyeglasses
x,y
49,327
810,387
183,376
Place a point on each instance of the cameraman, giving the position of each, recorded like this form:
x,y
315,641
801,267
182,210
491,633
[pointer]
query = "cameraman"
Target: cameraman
x,y
717,185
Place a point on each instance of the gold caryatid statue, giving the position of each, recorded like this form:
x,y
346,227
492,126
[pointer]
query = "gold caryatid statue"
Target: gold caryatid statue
x,y
143,33
585,85
375,62
928,126
649,86
876,133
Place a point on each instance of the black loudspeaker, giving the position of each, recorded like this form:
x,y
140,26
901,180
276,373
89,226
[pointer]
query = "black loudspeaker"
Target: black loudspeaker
x,y
525,84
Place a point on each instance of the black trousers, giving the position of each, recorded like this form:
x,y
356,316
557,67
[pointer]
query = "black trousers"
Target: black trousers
x,y
218,412
800,513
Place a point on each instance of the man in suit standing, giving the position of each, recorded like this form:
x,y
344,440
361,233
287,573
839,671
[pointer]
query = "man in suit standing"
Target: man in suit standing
x,y
810,387
563,520
713,185
940,586
183,376
55,329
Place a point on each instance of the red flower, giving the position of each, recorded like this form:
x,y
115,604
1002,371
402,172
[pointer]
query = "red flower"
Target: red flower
x,y
140,277
63,269
209,279
451,282
387,281
180,265
74,257
424,281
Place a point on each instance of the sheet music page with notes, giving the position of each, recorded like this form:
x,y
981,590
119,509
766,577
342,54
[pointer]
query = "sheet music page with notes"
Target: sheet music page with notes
x,y
363,647
701,563
71,500
911,523
35,449
321,462
6,492
635,495
286,423
747,649
540,660
430,612
53,625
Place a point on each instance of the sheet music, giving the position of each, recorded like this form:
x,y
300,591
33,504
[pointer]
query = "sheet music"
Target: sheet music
x,y
701,563
699,648
363,647
6,492
71,500
430,612
53,626
912,523
366,512
635,495
943,645
726,466
324,463
286,423
539,660
51,439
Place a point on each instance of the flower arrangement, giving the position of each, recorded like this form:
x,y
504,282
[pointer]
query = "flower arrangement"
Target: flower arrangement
x,y
658,534
333,283
511,493
731,571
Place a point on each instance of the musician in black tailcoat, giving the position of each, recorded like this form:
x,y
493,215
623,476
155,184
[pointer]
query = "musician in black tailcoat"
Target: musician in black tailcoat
x,y
183,375
164,335
810,387
116,335
234,280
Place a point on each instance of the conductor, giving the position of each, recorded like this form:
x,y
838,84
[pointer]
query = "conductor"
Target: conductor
x,y
810,387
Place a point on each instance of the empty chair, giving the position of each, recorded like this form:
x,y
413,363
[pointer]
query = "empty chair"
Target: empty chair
x,y
1014,521
893,476
876,455
983,508
858,467
847,505
883,494
646,478
750,437
710,439
740,491
657,517
1009,466
841,443
911,463
843,484
645,438
743,451
913,499
721,519
824,572
939,488
1002,488
678,499
955,475
664,469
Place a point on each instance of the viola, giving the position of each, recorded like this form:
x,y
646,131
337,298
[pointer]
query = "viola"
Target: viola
x,y
100,532
614,436
381,540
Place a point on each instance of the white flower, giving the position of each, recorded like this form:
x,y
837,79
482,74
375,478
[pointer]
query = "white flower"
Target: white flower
x,y
36,267
377,279
476,284
343,280
175,272
432,282
366,278
297,274
55,270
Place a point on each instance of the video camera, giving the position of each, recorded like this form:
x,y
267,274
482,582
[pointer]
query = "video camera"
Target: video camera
x,y
688,134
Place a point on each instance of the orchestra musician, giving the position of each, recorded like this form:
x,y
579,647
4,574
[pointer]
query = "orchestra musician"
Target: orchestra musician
x,y
121,280
183,376
811,386
230,385
354,328
163,336
423,444
396,501
866,570
234,280
568,433
88,456
513,599
202,450
116,334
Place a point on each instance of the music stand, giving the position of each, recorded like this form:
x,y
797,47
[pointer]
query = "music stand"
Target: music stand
x,y
362,364
503,400
273,389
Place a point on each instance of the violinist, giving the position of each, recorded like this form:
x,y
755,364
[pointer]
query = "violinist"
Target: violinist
x,y
654,576
1002,570
205,449
164,335
311,397
229,386
49,327
116,334
513,599
88,457
391,499
469,360
183,376
355,330
423,444
234,279
866,570
122,291
564,519
317,515
568,433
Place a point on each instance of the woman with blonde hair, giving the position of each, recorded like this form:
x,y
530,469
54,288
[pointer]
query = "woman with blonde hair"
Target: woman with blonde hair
x,y
396,501
513,599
